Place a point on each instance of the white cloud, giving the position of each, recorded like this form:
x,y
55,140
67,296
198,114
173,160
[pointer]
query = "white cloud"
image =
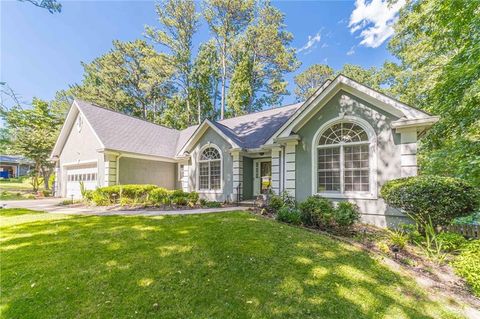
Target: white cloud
x,y
312,41
375,20
351,51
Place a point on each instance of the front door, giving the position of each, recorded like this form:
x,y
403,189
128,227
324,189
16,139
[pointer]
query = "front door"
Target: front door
x,y
262,174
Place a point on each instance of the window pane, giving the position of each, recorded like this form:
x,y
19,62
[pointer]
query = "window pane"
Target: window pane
x,y
210,154
343,132
356,176
215,175
328,169
203,176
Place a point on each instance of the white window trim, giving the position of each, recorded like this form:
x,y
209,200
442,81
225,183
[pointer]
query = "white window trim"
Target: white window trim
x,y
197,186
372,138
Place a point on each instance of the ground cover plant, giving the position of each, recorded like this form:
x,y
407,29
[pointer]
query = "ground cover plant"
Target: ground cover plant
x,y
231,265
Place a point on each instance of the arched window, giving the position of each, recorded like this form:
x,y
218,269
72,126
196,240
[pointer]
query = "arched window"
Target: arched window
x,y
343,159
210,169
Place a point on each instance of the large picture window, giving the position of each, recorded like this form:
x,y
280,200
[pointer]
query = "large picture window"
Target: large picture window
x,y
343,159
210,169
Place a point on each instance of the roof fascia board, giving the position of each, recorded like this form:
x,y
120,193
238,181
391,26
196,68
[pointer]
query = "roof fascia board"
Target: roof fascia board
x,y
199,133
65,130
424,122
341,82
138,156
91,127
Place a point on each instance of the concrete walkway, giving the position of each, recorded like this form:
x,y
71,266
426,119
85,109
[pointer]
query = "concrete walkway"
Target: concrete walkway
x,y
51,205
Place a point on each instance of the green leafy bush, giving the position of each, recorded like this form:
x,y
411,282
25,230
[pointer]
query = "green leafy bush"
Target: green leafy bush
x,y
412,232
212,204
398,238
159,196
467,263
346,214
275,202
100,199
438,198
193,198
87,195
451,241
316,211
289,215
179,197
46,192
472,219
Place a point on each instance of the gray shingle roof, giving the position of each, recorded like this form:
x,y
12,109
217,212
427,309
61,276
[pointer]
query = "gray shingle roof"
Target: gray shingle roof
x,y
121,132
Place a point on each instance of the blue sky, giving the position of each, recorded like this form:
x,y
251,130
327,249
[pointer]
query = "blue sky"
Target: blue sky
x,y
41,52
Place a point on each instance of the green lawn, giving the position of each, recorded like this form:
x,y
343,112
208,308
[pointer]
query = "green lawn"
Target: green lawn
x,y
16,190
232,265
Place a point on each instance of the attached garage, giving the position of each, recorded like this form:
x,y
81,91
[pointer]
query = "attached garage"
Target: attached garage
x,y
77,175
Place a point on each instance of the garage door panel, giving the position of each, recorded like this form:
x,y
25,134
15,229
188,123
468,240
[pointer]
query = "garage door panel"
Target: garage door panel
x,y
77,175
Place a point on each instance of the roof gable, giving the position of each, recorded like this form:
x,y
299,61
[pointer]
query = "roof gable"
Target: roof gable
x,y
305,112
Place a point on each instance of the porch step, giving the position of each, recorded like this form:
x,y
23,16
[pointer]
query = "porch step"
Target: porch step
x,y
247,203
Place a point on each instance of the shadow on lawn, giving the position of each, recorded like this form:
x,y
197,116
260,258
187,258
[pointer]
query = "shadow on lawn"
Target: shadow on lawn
x,y
220,266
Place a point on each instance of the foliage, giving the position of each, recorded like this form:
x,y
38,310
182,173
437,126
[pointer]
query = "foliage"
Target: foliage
x,y
147,262
311,79
440,199
437,46
275,202
316,211
432,246
32,133
398,239
52,6
126,194
193,198
159,196
346,214
451,242
466,265
212,204
290,215
179,23
131,78
227,19
472,219
412,232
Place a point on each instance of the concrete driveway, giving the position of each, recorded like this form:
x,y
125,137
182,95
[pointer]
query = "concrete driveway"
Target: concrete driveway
x,y
51,205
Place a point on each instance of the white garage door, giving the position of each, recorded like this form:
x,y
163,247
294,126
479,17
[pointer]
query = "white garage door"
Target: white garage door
x,y
76,176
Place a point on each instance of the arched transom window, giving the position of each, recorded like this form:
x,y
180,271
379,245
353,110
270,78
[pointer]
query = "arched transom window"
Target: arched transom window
x,y
210,169
343,163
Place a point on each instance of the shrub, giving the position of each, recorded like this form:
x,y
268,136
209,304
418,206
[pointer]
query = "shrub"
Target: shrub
x,y
451,241
159,196
466,265
179,197
203,202
275,202
346,214
87,195
46,193
440,199
472,219
129,193
316,211
212,204
193,198
411,230
398,239
289,215
100,199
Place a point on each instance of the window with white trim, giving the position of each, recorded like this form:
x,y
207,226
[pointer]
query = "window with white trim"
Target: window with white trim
x,y
343,159
209,169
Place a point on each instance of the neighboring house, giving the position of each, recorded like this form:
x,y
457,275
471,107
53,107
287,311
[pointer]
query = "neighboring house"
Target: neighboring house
x,y
12,166
343,143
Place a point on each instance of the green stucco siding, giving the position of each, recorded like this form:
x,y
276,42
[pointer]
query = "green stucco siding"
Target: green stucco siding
x,y
210,136
388,148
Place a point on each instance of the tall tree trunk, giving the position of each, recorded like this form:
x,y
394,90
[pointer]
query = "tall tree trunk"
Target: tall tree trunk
x,y
199,108
46,172
224,78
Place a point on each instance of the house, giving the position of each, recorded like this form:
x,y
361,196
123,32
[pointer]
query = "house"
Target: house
x,y
343,143
12,166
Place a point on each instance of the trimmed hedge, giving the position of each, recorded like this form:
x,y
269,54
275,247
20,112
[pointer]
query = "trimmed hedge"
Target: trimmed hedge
x,y
141,194
439,198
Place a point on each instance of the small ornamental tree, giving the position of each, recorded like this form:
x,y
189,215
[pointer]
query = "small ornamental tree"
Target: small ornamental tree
x,y
436,198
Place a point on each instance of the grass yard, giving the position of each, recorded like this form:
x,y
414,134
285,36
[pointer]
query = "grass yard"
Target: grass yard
x,y
16,190
232,265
